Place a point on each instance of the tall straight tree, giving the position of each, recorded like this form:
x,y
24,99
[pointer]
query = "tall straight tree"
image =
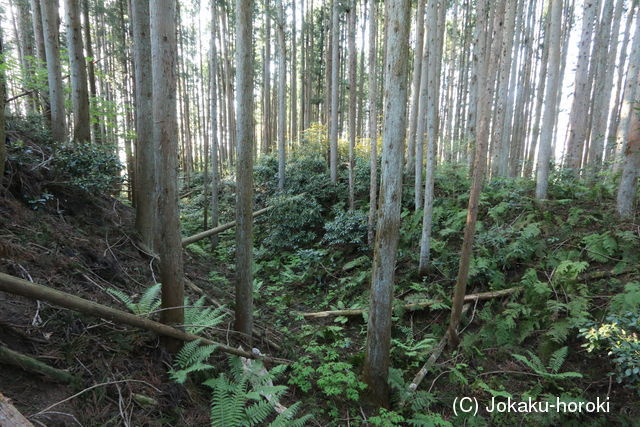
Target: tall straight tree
x,y
351,46
79,91
549,118
50,17
629,177
146,175
244,168
165,135
487,60
436,11
376,365
91,73
415,89
335,68
629,94
213,87
579,108
282,81
3,93
373,122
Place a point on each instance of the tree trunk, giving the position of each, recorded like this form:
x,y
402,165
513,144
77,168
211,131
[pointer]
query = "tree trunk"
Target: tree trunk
x,y
282,82
630,92
50,18
352,100
213,67
266,85
549,118
163,63
3,95
376,365
435,9
79,91
486,68
333,134
629,178
91,73
373,123
244,168
146,165
415,89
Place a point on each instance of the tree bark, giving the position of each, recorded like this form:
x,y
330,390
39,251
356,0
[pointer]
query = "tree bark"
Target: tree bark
x,y
376,365
49,9
549,118
351,45
79,91
333,133
215,176
629,178
163,63
415,89
373,123
282,109
244,168
146,164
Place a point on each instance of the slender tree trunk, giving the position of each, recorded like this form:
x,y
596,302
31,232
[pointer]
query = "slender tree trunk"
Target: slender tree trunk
x,y
486,68
294,77
501,151
630,92
50,18
607,52
244,168
79,91
282,110
549,118
266,91
215,176
146,165
352,100
376,365
373,122
629,178
435,9
91,67
614,116
415,89
163,63
3,95
333,134
422,120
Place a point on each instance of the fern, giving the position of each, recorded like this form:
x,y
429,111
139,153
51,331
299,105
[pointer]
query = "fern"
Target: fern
x,y
197,317
191,358
149,301
233,403
557,359
550,372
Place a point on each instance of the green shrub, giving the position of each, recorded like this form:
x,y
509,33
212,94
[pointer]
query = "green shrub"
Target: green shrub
x,y
90,167
349,228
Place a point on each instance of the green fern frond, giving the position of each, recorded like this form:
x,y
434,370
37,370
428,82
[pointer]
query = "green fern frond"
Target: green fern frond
x,y
197,318
149,301
557,359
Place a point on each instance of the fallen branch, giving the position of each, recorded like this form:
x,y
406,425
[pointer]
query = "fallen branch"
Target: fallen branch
x,y
435,354
10,416
419,305
219,229
30,364
17,286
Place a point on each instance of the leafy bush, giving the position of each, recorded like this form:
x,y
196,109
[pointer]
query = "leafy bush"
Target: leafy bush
x,y
91,167
293,223
620,338
348,228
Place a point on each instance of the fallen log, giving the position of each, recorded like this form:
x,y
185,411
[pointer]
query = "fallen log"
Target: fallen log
x,y
17,286
30,364
411,306
10,416
219,229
